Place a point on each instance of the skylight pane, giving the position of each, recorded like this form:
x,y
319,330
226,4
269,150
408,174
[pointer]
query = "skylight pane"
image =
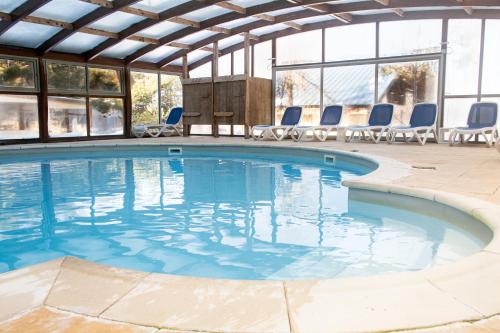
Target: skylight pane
x,y
8,6
79,42
249,3
161,29
158,6
64,10
196,37
238,22
116,22
197,55
123,49
268,29
28,34
159,54
206,13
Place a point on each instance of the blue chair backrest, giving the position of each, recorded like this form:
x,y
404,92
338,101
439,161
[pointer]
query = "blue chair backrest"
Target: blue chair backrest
x,y
292,115
174,116
482,115
381,115
423,114
331,115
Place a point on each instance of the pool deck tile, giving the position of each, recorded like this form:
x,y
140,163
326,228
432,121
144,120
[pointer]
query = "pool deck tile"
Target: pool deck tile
x,y
88,288
185,303
26,288
44,320
371,304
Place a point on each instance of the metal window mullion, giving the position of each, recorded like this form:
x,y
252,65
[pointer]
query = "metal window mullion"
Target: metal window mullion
x,y
159,98
481,61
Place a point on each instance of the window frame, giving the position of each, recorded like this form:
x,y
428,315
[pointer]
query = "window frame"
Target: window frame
x,y
36,76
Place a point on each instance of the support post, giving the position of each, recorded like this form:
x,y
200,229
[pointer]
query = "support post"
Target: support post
x,y
128,103
215,74
43,107
186,129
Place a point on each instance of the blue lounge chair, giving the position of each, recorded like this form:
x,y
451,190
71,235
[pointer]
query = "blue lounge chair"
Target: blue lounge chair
x,y
290,120
482,120
422,123
330,120
379,122
172,125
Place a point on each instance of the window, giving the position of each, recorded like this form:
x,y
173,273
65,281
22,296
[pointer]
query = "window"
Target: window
x,y
299,88
17,74
491,68
66,77
204,70
350,86
105,80
405,84
239,62
410,37
170,94
67,117
107,116
262,60
456,111
18,117
462,64
339,42
225,65
300,48
144,98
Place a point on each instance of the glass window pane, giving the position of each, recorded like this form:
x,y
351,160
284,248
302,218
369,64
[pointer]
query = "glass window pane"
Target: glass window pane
x,y
105,80
410,37
353,87
300,48
407,83
67,117
456,111
204,70
491,61
225,65
339,45
462,63
144,98
16,73
262,60
18,117
171,93
65,77
239,62
107,116
299,88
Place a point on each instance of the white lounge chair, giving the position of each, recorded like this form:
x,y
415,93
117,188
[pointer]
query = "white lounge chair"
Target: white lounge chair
x,y
330,120
379,122
482,120
422,124
172,125
290,120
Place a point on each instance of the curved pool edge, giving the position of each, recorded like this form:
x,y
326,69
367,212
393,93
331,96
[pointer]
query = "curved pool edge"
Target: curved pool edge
x,y
461,291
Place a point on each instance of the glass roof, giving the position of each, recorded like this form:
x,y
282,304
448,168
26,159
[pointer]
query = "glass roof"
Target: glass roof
x,y
28,34
64,10
187,26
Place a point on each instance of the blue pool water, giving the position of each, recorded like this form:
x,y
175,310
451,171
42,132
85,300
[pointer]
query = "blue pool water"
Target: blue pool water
x,y
210,213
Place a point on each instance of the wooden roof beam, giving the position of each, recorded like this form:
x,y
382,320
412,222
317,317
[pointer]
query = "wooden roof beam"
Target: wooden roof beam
x,y
265,17
399,12
233,7
220,30
383,2
183,21
293,25
469,10
343,17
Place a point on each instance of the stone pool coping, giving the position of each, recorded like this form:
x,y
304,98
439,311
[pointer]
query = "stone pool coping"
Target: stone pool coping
x,y
466,290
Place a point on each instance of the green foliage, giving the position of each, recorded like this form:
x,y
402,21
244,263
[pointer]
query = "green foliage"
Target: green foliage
x,y
16,73
65,77
107,80
107,106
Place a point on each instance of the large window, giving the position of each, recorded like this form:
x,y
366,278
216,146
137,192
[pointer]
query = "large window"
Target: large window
x,y
153,96
262,60
18,117
18,99
301,48
406,84
350,86
491,61
239,62
299,88
339,43
225,65
204,70
74,108
410,37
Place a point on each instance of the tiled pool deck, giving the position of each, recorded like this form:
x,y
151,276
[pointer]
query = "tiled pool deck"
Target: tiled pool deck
x,y
72,295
